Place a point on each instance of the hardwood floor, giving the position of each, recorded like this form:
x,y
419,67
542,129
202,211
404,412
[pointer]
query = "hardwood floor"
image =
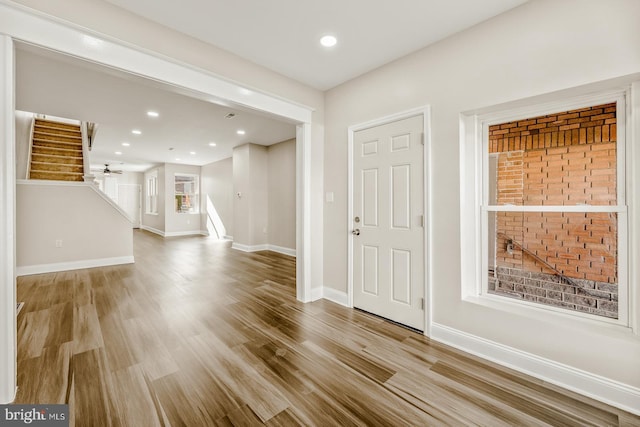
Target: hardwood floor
x,y
197,334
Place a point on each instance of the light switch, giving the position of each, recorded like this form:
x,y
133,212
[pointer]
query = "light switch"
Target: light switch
x,y
329,197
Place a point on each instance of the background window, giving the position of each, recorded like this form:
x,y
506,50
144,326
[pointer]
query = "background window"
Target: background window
x,y
186,193
152,193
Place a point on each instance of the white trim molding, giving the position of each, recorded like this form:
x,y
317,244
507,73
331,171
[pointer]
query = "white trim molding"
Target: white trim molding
x,y
28,270
152,230
8,331
603,389
334,295
185,233
263,247
282,250
249,248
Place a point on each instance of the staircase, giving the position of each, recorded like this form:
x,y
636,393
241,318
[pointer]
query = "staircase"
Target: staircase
x,y
56,151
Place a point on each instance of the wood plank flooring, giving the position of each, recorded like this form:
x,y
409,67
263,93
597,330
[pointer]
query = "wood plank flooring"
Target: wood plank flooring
x,y
197,334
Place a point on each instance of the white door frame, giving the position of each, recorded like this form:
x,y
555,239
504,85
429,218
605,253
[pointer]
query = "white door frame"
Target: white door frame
x,y
18,23
426,113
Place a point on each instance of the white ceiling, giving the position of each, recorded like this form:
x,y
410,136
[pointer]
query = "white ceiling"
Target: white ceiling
x,y
57,85
279,34
283,34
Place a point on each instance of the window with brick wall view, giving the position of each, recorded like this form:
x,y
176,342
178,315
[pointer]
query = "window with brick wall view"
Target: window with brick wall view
x,y
560,247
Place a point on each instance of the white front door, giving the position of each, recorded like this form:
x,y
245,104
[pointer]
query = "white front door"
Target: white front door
x,y
388,222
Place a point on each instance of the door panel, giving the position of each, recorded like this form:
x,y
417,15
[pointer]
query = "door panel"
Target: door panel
x,y
401,284
370,269
388,191
401,196
370,197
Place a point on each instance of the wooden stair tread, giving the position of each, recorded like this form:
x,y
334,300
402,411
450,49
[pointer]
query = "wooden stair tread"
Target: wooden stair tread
x,y
58,149
55,156
57,135
60,125
36,162
47,141
56,172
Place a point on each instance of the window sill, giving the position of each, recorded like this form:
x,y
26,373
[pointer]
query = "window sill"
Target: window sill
x,y
154,214
537,312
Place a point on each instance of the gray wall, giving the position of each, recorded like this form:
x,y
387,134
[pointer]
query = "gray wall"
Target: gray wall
x,y
90,227
282,194
217,185
266,179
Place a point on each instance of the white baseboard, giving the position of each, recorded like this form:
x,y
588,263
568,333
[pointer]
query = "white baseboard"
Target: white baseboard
x,y
282,250
227,237
185,233
248,248
336,296
603,389
73,265
152,230
264,247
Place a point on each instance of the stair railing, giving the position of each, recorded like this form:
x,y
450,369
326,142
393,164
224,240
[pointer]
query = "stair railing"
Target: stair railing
x,y
31,132
563,278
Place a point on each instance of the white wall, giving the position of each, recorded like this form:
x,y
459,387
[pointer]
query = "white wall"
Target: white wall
x,y
251,207
282,194
89,227
23,142
540,47
217,185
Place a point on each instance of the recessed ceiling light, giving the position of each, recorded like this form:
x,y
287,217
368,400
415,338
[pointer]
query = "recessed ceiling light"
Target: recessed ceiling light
x,y
212,144
136,132
192,152
118,152
125,144
240,132
177,159
328,41
152,113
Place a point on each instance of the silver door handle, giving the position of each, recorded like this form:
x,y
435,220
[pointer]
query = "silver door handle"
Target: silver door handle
x,y
356,232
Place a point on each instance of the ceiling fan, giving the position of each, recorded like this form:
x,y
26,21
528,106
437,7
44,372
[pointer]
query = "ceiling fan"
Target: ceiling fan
x,y
106,171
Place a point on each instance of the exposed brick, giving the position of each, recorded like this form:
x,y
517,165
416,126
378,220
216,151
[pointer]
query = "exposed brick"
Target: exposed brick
x,y
552,165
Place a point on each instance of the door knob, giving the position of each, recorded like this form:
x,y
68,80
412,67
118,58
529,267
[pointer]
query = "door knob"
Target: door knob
x,y
356,232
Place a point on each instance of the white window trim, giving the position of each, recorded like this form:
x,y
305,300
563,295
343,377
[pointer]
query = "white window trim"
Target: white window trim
x,y
474,209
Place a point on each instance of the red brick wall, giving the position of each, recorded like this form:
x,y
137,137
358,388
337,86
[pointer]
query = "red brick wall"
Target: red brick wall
x,y
566,158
